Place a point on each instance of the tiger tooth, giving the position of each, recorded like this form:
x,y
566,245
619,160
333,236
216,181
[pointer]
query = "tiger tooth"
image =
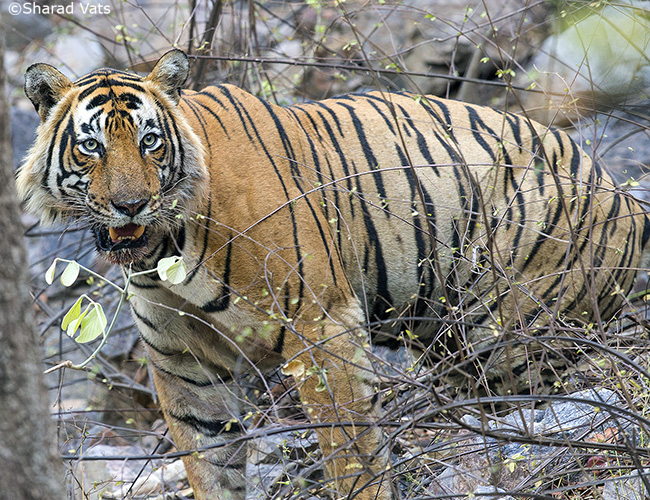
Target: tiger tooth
x,y
128,232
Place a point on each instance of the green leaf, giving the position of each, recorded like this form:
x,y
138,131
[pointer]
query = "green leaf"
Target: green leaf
x,y
76,323
93,324
70,274
322,380
49,274
72,314
172,269
321,386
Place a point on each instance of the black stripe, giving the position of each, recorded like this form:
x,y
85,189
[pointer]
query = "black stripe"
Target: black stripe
x,y
477,123
279,343
388,120
211,428
515,127
96,101
97,84
546,230
214,97
202,123
50,153
289,153
334,116
521,202
191,381
222,302
379,309
212,113
371,160
132,84
240,110
422,265
422,142
180,238
343,163
65,140
204,249
159,350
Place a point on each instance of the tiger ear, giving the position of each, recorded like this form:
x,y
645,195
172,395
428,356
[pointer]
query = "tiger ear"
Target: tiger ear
x,y
170,73
45,86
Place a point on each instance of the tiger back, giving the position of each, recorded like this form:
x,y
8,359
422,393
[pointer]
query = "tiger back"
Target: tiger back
x,y
313,230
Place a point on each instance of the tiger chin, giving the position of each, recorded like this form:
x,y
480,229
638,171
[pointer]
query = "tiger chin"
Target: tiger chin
x,y
309,229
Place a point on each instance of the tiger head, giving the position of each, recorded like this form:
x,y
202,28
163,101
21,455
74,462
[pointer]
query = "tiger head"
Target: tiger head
x,y
113,152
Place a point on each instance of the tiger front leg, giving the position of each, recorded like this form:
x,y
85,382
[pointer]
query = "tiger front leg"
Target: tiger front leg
x,y
337,387
200,418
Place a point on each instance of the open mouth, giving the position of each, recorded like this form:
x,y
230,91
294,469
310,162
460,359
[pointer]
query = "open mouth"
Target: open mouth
x,y
111,239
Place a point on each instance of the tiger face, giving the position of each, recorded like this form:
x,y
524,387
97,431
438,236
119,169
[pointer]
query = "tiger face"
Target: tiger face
x,y
118,159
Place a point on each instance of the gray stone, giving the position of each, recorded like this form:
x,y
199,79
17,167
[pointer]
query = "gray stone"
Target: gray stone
x,y
489,491
619,142
564,416
626,488
602,58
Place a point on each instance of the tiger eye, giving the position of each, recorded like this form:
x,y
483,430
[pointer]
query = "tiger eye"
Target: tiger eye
x,y
149,140
90,144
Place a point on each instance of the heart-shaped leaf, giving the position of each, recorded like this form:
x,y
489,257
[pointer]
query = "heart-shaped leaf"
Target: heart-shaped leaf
x,y
172,269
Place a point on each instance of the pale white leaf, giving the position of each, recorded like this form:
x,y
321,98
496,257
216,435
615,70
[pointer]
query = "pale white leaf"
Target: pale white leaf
x,y
70,274
172,269
177,272
49,274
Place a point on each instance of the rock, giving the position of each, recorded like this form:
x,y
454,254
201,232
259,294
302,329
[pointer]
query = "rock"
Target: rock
x,y
274,456
491,492
626,488
101,477
489,465
424,37
567,417
618,141
262,478
596,62
151,482
562,419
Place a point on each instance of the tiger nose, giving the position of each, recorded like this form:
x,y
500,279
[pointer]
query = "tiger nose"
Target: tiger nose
x,y
130,207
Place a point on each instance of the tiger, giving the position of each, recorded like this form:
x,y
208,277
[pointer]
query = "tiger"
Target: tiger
x,y
313,230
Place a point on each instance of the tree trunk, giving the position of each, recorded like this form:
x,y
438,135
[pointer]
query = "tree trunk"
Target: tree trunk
x,y
29,468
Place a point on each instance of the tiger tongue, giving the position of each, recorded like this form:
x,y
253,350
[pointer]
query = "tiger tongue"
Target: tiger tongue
x,y
130,232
